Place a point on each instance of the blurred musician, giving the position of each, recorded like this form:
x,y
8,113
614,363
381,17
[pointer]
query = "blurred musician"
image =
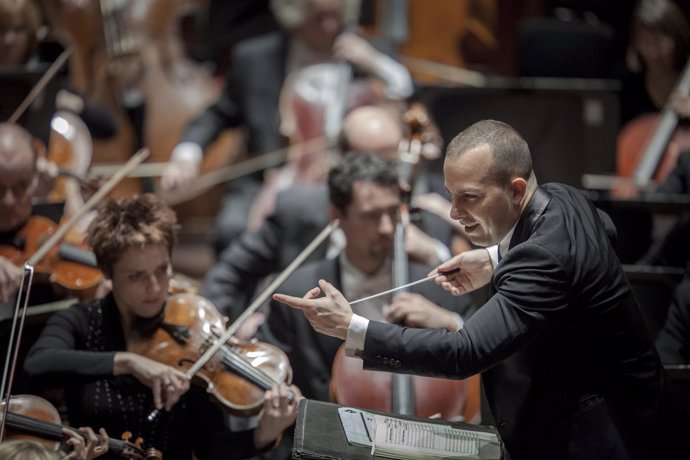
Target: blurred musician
x,y
313,33
302,210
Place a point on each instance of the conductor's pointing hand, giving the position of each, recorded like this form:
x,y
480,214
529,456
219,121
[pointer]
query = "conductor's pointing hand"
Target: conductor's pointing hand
x,y
328,315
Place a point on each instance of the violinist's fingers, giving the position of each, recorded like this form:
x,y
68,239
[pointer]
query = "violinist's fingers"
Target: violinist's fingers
x,y
102,446
92,441
296,395
174,389
157,387
76,443
10,278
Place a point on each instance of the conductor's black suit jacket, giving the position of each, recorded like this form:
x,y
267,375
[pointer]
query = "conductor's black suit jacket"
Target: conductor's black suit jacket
x,y
561,327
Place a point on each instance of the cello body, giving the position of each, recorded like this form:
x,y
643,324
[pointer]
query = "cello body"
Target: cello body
x,y
351,385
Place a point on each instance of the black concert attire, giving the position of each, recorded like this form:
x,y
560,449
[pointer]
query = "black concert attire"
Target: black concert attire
x,y
673,250
77,349
673,341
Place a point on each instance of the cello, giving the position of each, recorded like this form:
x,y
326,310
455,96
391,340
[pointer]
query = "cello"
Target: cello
x,y
131,51
648,146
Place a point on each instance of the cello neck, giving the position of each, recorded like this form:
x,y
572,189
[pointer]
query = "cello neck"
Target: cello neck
x,y
402,391
654,149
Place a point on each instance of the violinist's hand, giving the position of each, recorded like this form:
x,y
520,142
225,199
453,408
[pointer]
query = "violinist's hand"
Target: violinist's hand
x,y
680,103
85,449
328,315
475,270
168,384
183,167
10,278
354,49
277,414
420,247
415,310
46,172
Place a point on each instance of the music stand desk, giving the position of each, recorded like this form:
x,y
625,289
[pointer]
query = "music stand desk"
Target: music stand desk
x,y
320,435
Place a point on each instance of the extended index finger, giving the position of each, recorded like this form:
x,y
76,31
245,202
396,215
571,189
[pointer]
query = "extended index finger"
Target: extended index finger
x,y
297,302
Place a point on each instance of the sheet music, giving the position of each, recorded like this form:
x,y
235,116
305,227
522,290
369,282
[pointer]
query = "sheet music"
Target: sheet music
x,y
393,437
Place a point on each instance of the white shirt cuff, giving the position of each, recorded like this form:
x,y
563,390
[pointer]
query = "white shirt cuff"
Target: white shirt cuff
x,y
188,151
493,253
459,320
356,334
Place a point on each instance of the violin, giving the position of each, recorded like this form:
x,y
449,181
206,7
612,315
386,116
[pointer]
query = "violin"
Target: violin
x,y
69,265
236,376
33,418
211,356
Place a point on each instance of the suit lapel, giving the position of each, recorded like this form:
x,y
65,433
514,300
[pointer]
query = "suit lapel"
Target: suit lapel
x,y
535,208
523,229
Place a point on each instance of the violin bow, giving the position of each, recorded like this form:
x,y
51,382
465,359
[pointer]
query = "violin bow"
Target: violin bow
x,y
236,170
218,344
23,297
447,73
40,85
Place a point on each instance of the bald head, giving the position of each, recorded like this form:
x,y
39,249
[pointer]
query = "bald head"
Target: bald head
x,y
17,179
372,129
510,153
15,145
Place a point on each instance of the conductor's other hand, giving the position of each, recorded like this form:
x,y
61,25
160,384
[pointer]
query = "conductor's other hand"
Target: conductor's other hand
x,y
328,315
470,270
414,310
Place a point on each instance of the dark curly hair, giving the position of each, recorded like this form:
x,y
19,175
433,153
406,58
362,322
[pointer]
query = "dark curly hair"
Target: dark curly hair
x,y
359,167
130,222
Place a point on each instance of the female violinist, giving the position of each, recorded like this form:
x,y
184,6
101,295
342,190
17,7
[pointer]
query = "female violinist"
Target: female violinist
x,y
107,385
659,49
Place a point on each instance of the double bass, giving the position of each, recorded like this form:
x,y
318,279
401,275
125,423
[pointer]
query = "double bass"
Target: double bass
x,y
130,51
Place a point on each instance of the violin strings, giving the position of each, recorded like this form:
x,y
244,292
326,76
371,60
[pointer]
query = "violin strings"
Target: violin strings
x,y
232,359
